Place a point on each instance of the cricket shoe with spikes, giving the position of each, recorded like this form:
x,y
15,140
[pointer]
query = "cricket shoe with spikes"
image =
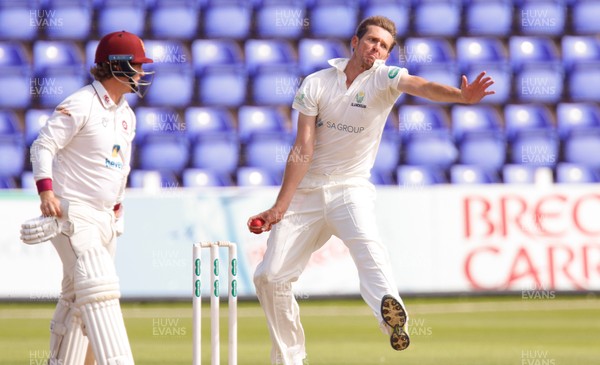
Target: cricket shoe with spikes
x,y
394,315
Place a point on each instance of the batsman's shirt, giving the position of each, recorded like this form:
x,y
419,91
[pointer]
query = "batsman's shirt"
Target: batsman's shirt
x,y
350,121
85,148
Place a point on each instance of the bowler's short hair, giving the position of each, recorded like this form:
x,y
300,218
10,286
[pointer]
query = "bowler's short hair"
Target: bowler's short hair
x,y
379,21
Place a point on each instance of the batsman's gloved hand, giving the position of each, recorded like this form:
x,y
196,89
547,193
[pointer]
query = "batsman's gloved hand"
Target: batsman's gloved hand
x,y
39,229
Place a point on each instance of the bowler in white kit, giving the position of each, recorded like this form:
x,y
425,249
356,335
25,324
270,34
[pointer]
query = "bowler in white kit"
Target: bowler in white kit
x,y
80,163
326,189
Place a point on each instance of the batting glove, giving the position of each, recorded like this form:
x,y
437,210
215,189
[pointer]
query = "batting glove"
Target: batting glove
x,y
39,229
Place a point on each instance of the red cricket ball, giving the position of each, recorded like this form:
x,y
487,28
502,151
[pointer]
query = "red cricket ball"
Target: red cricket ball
x,y
257,222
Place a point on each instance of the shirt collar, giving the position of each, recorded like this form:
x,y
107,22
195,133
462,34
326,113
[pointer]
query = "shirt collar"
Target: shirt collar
x,y
105,99
341,63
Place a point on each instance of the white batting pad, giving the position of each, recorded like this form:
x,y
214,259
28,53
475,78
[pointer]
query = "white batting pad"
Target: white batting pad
x,y
68,345
97,297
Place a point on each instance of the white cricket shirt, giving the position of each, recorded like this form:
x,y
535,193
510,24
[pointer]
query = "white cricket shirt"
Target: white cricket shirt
x,y
85,148
350,121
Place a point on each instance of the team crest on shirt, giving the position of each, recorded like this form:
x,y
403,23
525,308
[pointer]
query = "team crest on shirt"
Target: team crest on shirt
x,y
124,124
299,98
104,122
359,98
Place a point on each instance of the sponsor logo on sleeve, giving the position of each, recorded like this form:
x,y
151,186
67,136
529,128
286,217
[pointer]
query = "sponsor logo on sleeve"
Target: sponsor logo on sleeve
x,y
393,72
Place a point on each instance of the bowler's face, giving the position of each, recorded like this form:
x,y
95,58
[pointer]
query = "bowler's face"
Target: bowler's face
x,y
374,45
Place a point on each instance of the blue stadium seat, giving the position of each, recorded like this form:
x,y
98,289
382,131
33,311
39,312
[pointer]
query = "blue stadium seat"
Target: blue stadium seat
x,y
164,152
477,133
447,74
432,59
538,72
199,178
156,121
502,76
531,135
227,19
579,49
9,123
542,17
117,15
417,176
518,174
583,147
15,75
254,176
8,183
173,83
216,151
474,119
199,120
313,54
272,65
488,17
152,181
524,50
333,18
17,17
539,83
434,148
58,71
519,118
268,151
208,52
579,129
585,15
281,19
12,150
572,173
223,85
421,119
35,119
426,50
48,54
68,19
275,85
268,52
480,50
90,54
256,119
28,182
477,54
437,17
472,174
485,149
583,81
571,117
174,19
387,159
396,10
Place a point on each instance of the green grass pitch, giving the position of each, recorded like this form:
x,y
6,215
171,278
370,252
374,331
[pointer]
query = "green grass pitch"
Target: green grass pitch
x,y
557,330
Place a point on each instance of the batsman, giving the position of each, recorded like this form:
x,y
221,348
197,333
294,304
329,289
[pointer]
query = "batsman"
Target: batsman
x,y
81,160
326,189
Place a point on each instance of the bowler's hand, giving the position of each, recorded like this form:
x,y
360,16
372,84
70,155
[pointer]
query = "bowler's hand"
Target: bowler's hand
x,y
269,217
50,205
472,93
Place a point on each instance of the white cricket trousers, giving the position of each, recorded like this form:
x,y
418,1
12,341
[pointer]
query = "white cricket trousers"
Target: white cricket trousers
x,y
91,229
321,207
